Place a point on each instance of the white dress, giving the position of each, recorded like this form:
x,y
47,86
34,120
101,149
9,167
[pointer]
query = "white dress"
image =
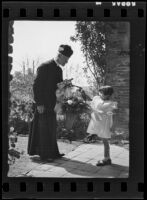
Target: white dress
x,y
101,117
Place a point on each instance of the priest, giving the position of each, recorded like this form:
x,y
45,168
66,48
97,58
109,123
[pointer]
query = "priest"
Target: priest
x,y
42,138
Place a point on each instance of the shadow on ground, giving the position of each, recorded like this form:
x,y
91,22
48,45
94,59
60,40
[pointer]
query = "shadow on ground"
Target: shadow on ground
x,y
73,167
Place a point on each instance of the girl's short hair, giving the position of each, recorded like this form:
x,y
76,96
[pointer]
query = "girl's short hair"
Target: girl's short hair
x,y
106,90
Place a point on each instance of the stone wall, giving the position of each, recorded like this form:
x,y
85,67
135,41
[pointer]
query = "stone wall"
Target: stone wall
x,y
118,68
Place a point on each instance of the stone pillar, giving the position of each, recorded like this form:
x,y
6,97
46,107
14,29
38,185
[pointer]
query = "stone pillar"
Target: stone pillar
x,y
118,68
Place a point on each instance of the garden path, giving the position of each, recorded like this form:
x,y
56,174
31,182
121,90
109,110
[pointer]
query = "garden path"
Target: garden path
x,y
82,163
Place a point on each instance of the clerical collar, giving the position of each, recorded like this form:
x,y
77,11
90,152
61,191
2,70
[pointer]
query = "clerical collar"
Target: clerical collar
x,y
57,62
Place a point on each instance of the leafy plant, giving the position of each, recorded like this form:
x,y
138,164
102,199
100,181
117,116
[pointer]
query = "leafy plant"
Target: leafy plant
x,y
74,105
72,99
93,36
21,110
12,152
20,116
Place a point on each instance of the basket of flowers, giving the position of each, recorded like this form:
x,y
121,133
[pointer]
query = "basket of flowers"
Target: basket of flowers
x,y
71,101
72,107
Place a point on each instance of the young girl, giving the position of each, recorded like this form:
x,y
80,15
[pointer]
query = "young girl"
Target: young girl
x,y
102,121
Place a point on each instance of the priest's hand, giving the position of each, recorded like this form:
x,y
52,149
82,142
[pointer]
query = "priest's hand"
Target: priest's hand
x,y
40,109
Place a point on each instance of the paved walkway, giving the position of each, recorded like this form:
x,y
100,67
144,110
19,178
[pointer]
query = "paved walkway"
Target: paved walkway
x,y
81,163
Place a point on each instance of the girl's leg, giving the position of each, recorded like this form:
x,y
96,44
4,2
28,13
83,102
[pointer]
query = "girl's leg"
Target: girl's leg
x,y
106,160
106,149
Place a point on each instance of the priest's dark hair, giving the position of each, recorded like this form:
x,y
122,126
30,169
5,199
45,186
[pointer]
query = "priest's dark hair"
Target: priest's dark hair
x,y
66,50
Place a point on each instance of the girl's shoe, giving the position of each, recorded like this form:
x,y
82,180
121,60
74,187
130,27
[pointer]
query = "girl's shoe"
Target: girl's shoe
x,y
103,162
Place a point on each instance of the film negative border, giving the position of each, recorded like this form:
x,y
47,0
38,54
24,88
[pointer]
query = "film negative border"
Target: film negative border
x,y
89,13
74,188
28,187
60,12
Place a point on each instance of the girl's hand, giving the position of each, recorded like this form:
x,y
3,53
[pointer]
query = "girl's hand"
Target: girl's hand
x,y
109,113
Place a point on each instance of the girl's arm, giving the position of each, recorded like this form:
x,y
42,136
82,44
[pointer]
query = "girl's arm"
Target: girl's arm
x,y
105,108
108,106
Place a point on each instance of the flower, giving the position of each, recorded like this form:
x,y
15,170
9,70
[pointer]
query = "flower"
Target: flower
x,y
61,85
72,99
69,102
11,129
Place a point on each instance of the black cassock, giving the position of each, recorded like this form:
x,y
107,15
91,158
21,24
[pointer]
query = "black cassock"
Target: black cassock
x,y
42,137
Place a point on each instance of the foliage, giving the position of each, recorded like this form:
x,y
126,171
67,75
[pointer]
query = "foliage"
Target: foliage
x,y
21,107
72,99
12,152
21,110
80,126
93,38
21,114
21,86
74,105
78,130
